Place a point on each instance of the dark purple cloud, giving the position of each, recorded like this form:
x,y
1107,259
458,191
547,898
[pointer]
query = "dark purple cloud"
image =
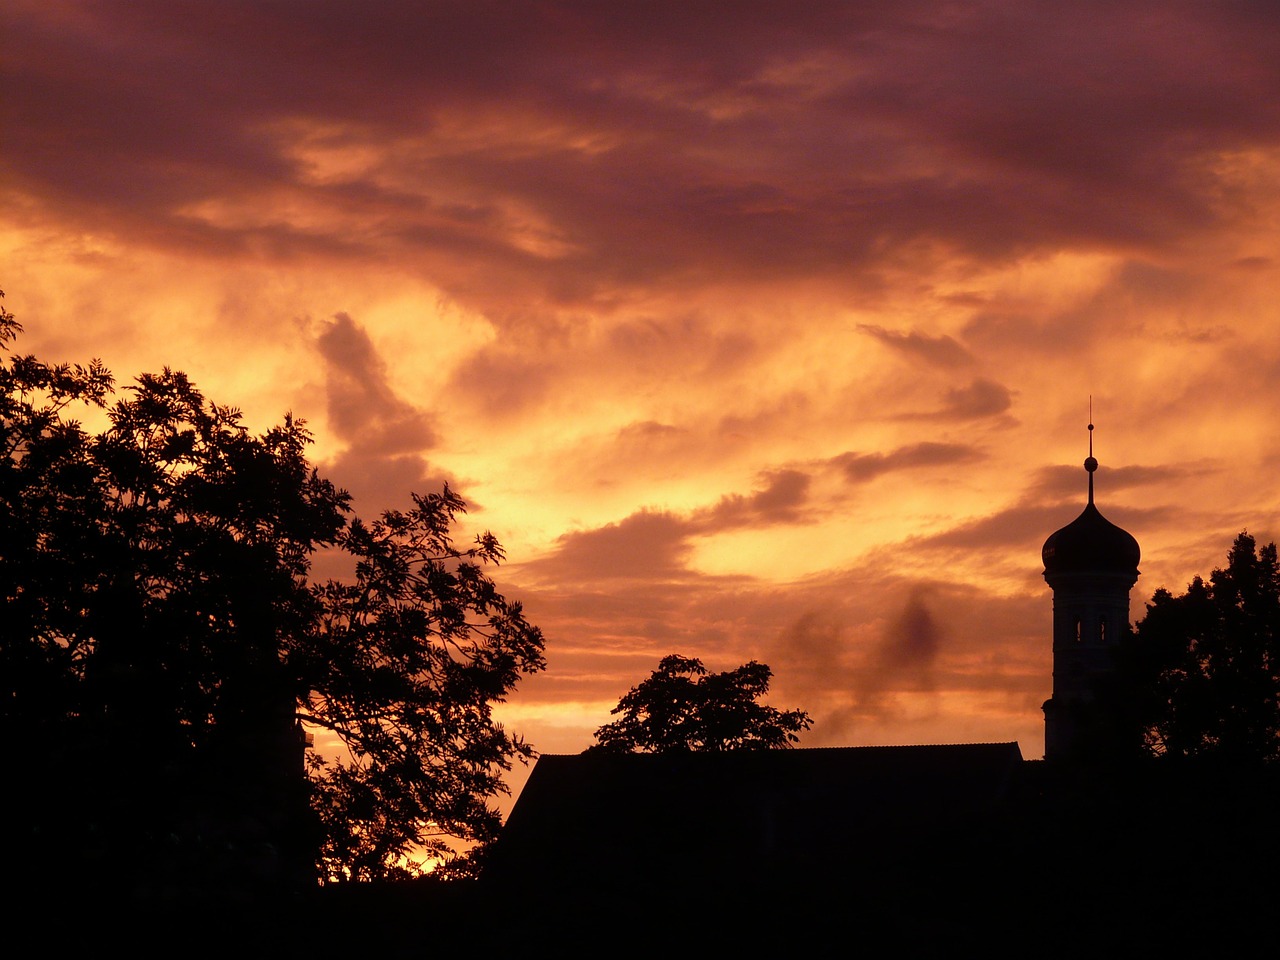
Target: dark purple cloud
x,y
1070,482
941,351
862,467
673,147
363,409
386,436
981,398
645,545
654,545
781,500
852,656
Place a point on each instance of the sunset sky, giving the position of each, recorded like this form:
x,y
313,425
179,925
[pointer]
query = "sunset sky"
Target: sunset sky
x,y
752,330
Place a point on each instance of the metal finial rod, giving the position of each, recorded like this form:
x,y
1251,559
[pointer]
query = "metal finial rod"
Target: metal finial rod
x,y
1091,464
1090,425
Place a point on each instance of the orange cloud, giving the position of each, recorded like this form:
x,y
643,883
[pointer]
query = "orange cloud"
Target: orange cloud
x,y
750,332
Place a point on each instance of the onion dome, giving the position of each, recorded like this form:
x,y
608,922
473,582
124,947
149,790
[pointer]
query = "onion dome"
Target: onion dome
x,y
1090,543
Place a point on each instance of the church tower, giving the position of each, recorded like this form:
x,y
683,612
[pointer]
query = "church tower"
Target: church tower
x,y
1090,564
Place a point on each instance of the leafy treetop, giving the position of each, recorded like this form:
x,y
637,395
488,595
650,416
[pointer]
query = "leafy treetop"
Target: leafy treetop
x,y
1207,662
682,707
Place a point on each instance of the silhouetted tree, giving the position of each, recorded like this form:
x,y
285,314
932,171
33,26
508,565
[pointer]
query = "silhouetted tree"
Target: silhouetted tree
x,y
682,707
405,667
162,650
1208,662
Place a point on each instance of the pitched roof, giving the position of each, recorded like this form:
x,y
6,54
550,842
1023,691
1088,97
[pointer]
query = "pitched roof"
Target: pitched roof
x,y
596,819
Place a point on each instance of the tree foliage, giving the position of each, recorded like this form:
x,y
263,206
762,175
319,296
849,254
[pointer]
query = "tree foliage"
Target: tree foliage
x,y
163,648
406,664
682,707
1208,662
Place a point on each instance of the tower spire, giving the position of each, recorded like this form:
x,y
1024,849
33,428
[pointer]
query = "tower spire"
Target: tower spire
x,y
1091,565
1090,464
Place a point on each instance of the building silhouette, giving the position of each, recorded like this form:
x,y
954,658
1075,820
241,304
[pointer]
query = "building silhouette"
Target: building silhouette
x,y
587,822
922,848
1091,564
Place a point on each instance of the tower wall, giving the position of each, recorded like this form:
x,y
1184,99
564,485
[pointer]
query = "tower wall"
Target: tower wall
x,y
1090,616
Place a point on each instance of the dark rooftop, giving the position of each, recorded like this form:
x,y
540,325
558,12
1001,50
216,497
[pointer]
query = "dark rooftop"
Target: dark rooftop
x,y
598,819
